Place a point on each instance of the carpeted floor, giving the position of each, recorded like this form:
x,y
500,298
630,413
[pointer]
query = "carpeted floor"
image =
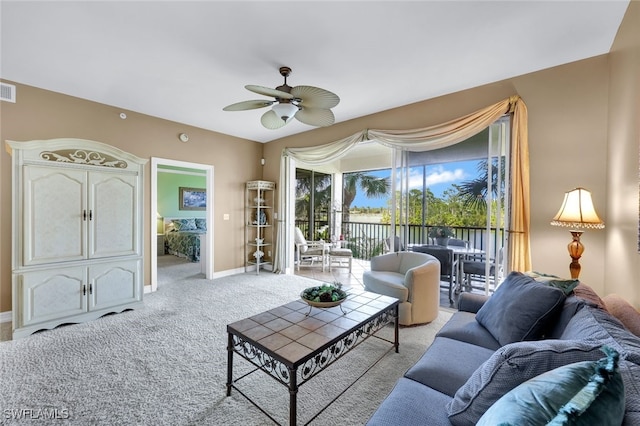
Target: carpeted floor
x,y
165,364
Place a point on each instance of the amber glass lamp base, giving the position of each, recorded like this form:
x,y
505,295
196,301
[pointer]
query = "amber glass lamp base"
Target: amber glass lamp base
x,y
576,248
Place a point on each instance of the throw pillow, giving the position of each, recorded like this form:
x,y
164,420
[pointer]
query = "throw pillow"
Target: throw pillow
x,y
201,224
583,393
586,293
624,312
566,285
510,366
184,224
520,309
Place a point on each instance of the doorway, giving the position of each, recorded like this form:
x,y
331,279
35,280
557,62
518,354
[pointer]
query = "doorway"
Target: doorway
x,y
207,170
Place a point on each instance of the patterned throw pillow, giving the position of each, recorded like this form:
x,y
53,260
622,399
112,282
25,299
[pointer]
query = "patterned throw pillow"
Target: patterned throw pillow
x,y
201,224
184,224
510,366
564,284
583,393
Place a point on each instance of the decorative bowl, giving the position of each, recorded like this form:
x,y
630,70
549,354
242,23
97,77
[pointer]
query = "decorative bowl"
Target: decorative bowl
x,y
314,296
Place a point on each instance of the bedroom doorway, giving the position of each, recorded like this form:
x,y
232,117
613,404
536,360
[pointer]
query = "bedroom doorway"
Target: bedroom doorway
x,y
159,165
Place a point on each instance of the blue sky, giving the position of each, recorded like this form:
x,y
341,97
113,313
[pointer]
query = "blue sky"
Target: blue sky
x,y
439,178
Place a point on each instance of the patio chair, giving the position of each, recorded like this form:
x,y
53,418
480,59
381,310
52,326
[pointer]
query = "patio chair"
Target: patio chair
x,y
477,268
448,264
397,244
457,242
309,251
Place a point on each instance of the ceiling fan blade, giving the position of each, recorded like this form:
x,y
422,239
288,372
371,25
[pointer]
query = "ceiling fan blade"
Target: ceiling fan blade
x,y
315,97
245,105
266,91
271,121
315,117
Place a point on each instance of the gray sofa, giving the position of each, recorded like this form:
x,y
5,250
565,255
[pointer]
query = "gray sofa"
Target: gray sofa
x,y
491,345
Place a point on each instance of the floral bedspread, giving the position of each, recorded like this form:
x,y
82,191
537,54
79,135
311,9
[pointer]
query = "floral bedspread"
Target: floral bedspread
x,y
184,244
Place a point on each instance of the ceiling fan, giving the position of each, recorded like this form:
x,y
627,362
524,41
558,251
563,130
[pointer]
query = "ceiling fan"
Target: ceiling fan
x,y
309,105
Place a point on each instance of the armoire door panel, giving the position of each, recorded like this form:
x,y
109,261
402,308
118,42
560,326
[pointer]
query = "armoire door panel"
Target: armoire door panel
x,y
54,203
113,214
113,284
48,295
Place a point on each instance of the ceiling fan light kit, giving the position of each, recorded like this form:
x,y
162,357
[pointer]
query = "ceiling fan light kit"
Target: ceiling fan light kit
x,y
309,105
285,111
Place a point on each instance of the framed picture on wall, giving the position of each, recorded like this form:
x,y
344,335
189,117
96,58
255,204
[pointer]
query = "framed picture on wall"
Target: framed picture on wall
x,y
192,198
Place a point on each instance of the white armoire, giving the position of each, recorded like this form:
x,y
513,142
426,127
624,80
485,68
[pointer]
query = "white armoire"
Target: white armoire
x,y
77,232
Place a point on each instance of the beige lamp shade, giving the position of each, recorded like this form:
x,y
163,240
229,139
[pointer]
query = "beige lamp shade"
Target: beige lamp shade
x,y
577,211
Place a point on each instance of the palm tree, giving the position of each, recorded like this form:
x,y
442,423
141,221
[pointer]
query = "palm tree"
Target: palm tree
x,y
474,192
373,187
310,183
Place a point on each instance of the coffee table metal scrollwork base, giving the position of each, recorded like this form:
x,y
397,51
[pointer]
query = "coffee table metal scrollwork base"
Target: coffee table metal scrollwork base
x,y
292,347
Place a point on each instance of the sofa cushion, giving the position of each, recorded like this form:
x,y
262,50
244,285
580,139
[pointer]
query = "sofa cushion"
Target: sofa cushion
x,y
510,366
583,393
464,327
572,304
410,404
591,323
564,284
624,312
520,309
387,283
630,373
435,370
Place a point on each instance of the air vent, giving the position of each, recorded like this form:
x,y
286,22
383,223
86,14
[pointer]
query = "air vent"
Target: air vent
x,y
7,92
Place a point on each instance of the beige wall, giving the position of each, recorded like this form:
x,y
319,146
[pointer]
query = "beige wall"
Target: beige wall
x,y
583,131
622,258
40,114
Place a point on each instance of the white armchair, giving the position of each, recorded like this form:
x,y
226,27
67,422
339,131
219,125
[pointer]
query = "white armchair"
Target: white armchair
x,y
413,278
309,251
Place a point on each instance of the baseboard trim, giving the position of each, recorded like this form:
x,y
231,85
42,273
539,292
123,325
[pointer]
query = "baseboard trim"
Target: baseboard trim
x,y
6,316
228,272
219,274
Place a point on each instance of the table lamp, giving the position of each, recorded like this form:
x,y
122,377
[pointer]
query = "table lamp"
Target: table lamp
x,y
577,212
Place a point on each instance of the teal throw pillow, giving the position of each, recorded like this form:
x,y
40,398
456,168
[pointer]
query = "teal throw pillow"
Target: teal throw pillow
x,y
582,393
510,366
564,284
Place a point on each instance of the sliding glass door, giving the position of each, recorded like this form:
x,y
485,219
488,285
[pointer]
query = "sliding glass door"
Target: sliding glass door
x,y
313,204
459,192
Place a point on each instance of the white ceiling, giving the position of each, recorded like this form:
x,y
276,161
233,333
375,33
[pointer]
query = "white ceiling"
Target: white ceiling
x,y
185,61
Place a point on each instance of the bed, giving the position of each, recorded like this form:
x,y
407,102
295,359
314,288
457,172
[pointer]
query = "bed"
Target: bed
x,y
182,237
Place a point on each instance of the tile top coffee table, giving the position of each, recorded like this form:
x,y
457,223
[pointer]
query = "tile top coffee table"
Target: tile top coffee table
x,y
285,341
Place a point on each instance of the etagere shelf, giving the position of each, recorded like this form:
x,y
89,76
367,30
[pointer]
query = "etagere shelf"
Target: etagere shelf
x,y
259,221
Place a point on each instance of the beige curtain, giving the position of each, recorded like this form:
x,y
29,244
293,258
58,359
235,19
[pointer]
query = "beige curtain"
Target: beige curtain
x,y
435,137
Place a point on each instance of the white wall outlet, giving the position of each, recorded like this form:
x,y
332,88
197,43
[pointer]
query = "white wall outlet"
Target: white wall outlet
x,y
225,216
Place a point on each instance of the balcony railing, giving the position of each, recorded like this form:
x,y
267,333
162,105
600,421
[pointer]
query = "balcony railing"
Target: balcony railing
x,y
368,239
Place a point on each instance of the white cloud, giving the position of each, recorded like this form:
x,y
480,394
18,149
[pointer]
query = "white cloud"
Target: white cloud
x,y
435,177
